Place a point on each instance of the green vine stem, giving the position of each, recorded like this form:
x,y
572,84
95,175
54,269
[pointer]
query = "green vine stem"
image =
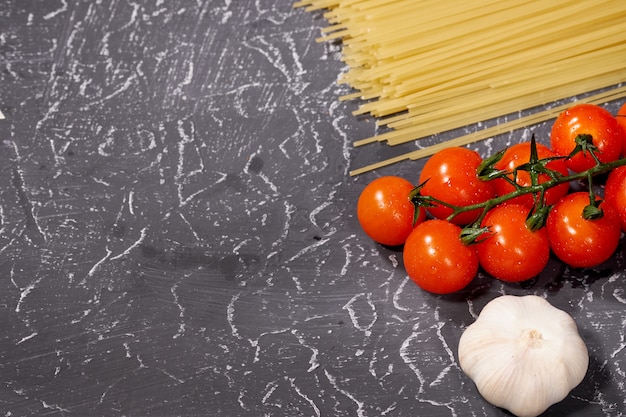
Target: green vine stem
x,y
534,167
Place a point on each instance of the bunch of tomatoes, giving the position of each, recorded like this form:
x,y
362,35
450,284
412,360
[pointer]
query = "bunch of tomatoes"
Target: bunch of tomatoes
x,y
508,212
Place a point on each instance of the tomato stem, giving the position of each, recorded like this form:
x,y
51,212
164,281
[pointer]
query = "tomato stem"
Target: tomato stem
x,y
535,167
593,210
538,188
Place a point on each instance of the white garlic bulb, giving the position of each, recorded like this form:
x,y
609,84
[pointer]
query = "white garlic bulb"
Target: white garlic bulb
x,y
523,354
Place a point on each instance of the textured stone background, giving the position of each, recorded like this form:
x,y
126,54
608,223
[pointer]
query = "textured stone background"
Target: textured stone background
x,y
178,237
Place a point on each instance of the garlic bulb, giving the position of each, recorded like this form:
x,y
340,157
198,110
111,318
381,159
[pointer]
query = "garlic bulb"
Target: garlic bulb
x,y
523,354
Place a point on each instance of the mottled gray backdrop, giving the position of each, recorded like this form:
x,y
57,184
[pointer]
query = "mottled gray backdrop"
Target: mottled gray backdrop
x,y
178,232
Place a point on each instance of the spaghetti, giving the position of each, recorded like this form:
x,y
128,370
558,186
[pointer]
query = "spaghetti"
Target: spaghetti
x,y
425,67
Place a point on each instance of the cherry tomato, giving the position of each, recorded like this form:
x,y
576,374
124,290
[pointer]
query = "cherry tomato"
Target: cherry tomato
x,y
519,154
452,178
385,211
621,120
579,242
589,119
436,259
512,252
615,193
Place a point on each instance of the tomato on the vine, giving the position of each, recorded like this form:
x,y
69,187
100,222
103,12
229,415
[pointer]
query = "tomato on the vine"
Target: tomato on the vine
x,y
621,120
615,193
519,154
587,119
450,175
580,242
385,211
512,251
437,260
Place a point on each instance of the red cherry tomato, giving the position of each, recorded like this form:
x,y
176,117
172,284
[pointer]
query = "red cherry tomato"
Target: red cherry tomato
x,y
621,120
385,211
512,252
615,193
436,259
586,119
579,242
519,154
452,178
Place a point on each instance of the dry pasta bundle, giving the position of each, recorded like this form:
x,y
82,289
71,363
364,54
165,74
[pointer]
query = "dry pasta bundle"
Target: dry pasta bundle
x,y
422,67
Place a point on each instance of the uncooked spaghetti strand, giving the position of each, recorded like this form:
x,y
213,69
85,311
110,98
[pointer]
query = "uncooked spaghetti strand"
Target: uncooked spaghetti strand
x,y
411,38
484,65
437,125
464,140
600,8
462,74
568,70
571,70
601,97
414,25
510,22
610,34
426,66
554,84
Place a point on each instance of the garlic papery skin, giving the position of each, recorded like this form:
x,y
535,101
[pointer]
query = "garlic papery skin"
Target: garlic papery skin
x,y
523,354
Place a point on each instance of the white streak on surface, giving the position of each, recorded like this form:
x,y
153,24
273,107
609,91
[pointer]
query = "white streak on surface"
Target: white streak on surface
x,y
58,11
360,404
308,249
230,315
181,315
134,245
315,352
97,265
355,317
25,338
316,409
405,355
